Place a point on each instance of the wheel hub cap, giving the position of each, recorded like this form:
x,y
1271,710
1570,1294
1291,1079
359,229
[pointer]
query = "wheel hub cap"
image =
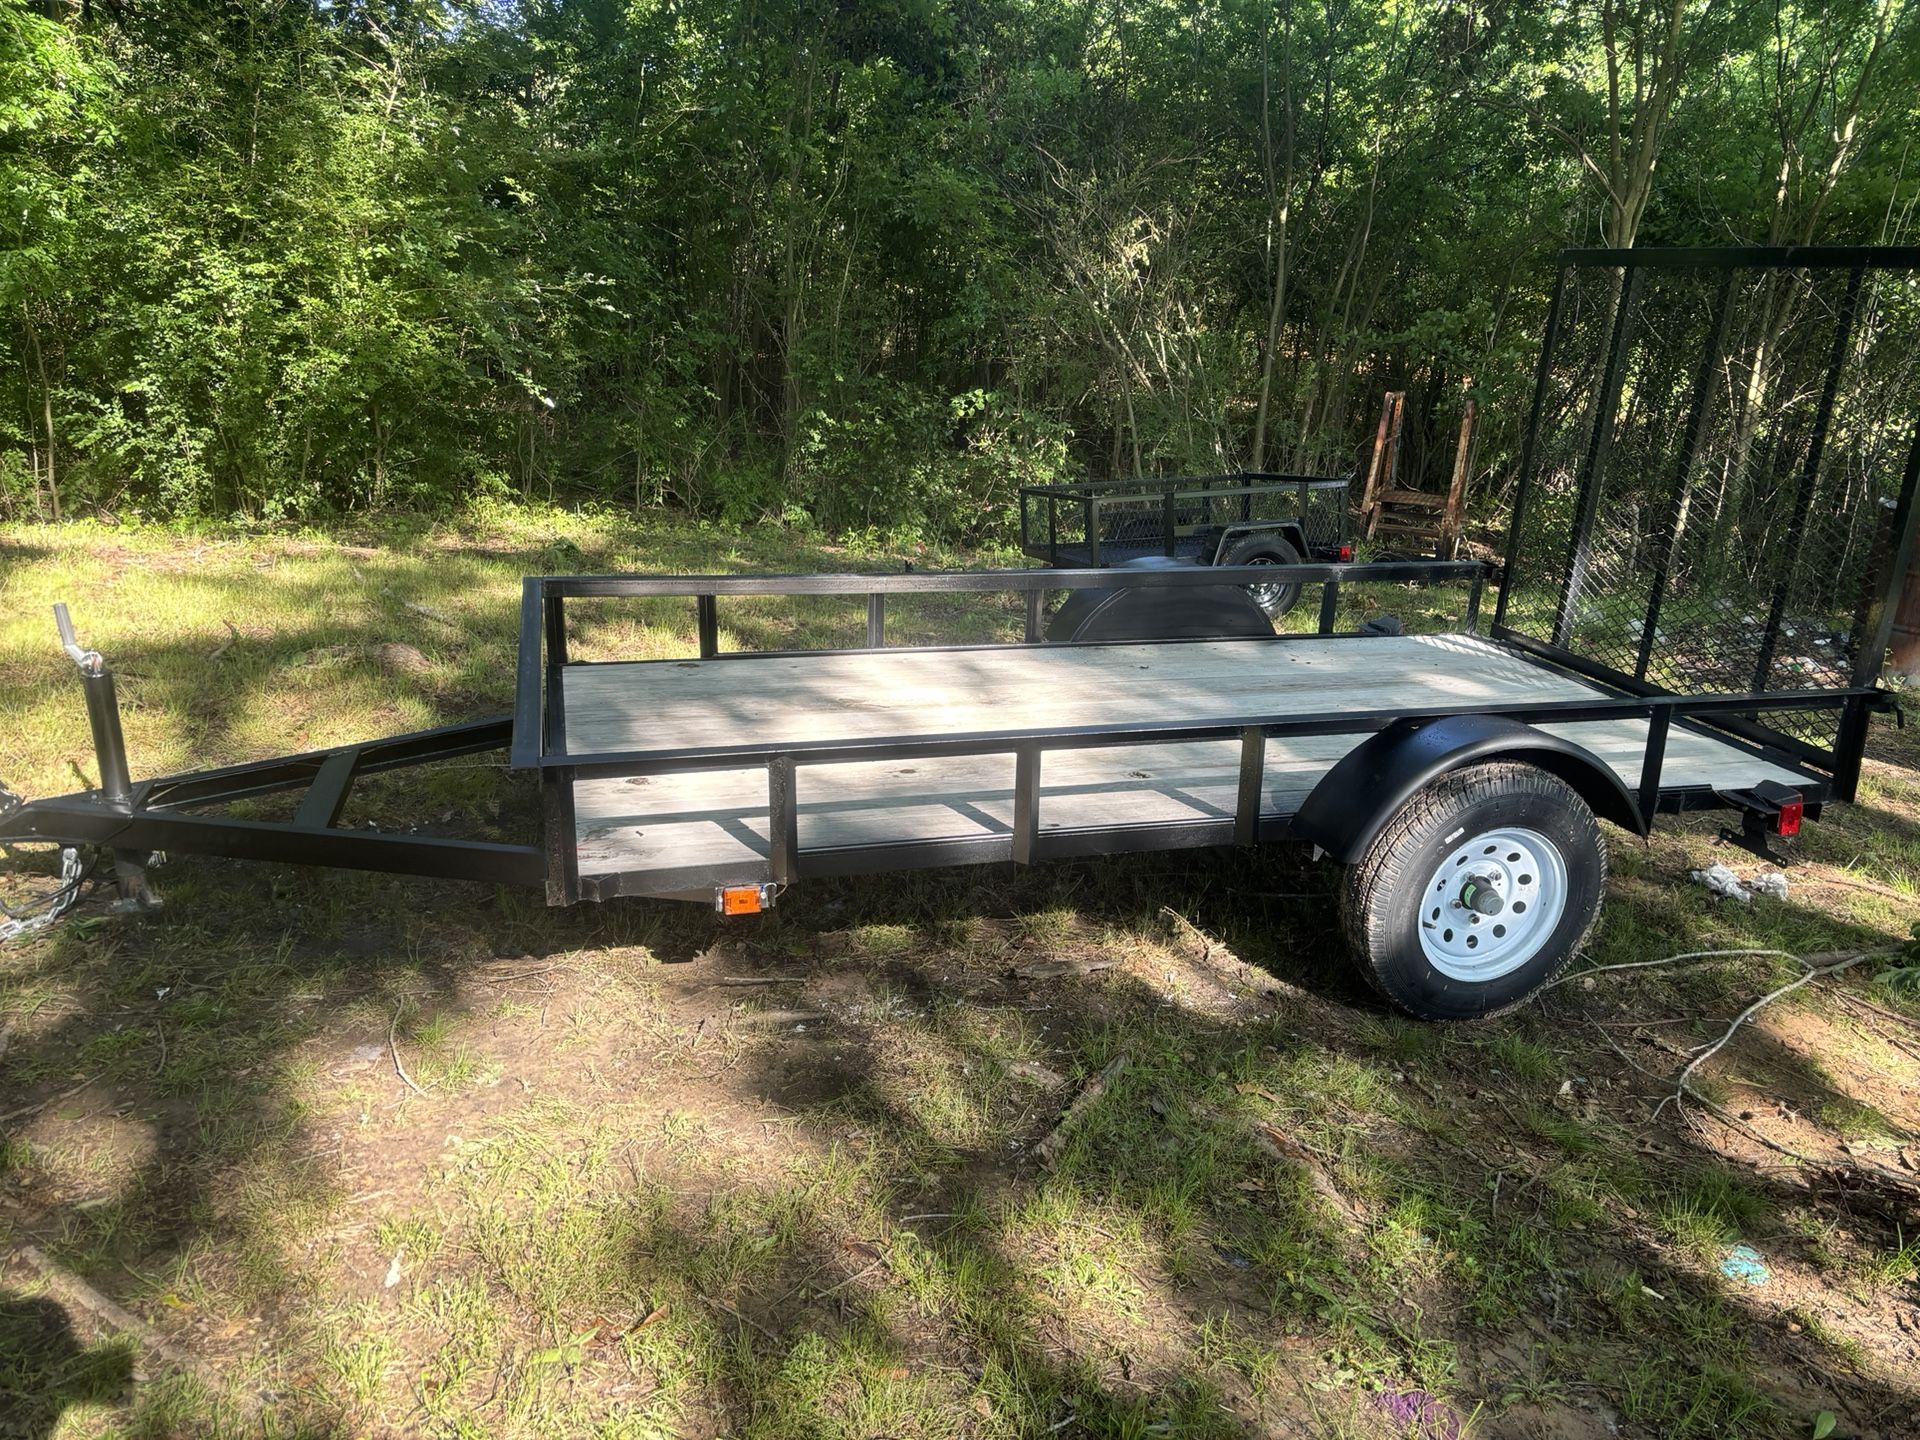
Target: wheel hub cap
x,y
1492,903
1265,593
1481,894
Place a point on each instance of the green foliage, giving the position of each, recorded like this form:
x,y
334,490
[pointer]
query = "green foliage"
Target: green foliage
x,y
1903,976
868,268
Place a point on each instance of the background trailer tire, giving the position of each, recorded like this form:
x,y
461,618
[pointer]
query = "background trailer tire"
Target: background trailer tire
x,y
1477,892
1276,599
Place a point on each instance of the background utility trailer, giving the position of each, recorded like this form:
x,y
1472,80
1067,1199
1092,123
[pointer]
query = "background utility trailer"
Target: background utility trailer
x,y
1722,654
1250,518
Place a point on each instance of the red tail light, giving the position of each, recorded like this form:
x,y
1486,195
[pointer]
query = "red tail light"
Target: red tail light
x,y
1787,822
1345,552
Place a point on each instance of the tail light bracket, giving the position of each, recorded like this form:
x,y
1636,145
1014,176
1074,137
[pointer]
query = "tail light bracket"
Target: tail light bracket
x,y
1769,811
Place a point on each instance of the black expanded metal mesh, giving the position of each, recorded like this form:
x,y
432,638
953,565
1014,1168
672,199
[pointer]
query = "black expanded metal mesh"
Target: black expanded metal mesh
x,y
1188,517
1714,475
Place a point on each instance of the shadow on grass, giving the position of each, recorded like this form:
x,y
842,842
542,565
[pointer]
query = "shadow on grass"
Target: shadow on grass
x,y
45,1369
1492,1170
1169,1271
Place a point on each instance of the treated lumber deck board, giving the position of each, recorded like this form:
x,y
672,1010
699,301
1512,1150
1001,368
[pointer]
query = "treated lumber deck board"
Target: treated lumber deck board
x,y
719,818
661,705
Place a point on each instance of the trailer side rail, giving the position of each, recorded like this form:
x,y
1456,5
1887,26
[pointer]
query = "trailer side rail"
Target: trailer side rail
x,y
783,762
543,599
539,742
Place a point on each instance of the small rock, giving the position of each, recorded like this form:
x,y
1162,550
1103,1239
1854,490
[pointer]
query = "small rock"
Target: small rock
x,y
396,658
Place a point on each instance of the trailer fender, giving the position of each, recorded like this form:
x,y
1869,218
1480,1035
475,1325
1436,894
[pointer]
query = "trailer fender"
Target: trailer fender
x,y
1290,531
1355,799
1199,612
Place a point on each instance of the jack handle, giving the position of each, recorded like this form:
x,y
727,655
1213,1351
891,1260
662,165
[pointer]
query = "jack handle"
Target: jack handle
x,y
89,661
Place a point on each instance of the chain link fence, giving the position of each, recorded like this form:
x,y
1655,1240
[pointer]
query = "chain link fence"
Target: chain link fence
x,y
1715,469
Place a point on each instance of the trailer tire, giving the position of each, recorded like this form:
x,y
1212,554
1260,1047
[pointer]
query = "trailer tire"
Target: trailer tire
x,y
1276,599
1477,892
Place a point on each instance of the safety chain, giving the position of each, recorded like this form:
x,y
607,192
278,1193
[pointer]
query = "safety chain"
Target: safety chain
x,y
15,923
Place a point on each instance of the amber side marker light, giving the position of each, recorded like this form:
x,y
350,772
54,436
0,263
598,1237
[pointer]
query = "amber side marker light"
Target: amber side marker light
x,y
743,899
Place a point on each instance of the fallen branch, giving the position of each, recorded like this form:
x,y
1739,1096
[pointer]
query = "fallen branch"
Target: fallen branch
x,y
1050,1147
40,1105
758,980
1181,921
1669,960
1041,1075
1291,1152
851,1279
393,1048
1865,1004
1870,886
428,611
520,975
1055,969
727,1309
71,1290
1838,961
1813,1163
233,638
780,1017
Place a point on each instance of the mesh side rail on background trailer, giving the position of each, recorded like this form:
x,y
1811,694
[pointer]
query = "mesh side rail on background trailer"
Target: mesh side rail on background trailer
x,y
1181,516
1716,493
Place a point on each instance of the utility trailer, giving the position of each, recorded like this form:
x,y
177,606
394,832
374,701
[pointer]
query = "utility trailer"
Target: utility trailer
x,y
1459,776
1253,517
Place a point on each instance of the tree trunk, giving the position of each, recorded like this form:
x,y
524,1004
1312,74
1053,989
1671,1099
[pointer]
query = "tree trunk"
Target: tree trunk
x,y
1282,200
46,409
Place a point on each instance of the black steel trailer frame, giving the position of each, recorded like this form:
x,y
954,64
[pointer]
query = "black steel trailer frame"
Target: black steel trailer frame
x,y
132,818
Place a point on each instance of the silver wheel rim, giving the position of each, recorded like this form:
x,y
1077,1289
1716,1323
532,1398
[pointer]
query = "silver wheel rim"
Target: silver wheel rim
x,y
1492,903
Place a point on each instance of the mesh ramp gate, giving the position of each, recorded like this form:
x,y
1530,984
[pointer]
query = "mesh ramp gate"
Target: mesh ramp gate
x,y
1716,489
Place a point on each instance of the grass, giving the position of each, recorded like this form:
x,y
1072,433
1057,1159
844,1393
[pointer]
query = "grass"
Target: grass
x,y
628,1202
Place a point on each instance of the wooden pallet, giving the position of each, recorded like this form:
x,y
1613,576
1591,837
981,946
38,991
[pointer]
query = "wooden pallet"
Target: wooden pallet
x,y
1390,509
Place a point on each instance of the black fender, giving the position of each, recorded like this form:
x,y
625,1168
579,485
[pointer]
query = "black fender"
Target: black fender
x,y
1287,530
1356,798
1196,612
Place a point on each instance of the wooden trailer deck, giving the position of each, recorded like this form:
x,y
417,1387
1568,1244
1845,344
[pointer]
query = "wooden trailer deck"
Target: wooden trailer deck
x,y
671,833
